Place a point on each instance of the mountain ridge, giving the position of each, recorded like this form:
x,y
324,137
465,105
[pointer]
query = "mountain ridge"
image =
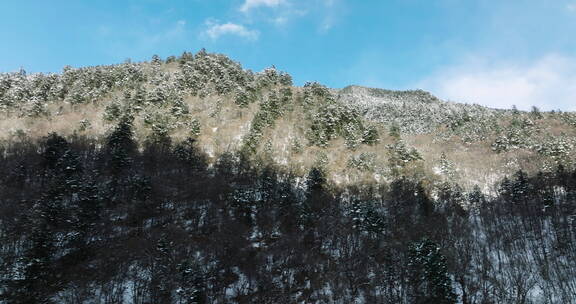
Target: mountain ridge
x,y
355,133
191,180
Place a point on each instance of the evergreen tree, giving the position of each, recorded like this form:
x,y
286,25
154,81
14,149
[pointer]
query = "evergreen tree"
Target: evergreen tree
x,y
288,207
446,166
185,58
37,281
156,60
366,218
191,290
394,131
370,136
316,180
476,197
139,98
505,189
190,155
90,206
536,114
226,165
409,200
54,147
161,281
170,59
316,203
268,184
67,166
120,145
521,189
430,282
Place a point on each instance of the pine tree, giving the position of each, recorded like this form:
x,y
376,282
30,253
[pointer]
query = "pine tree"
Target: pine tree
x,y
90,206
446,166
170,59
316,202
430,282
54,147
366,218
156,59
370,136
394,131
476,197
536,114
505,189
120,145
37,281
190,155
316,180
191,290
139,98
226,166
185,58
521,190
161,281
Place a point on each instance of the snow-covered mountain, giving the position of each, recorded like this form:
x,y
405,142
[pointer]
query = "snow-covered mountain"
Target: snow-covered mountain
x,y
414,111
226,108
192,180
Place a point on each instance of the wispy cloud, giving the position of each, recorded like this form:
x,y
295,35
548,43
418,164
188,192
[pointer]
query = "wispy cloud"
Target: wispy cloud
x,y
571,7
248,5
332,11
176,31
329,2
283,12
139,39
326,24
216,30
549,83
280,20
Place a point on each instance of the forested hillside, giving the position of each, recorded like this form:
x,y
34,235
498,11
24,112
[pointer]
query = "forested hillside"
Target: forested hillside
x,y
192,180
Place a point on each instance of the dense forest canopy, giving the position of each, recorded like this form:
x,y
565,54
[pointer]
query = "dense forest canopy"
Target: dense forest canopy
x,y
192,180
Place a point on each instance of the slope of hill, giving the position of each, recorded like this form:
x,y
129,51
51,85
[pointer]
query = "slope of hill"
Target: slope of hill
x,y
192,180
357,134
414,112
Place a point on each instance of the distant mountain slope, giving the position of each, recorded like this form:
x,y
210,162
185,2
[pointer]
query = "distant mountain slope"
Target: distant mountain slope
x,y
355,134
414,111
193,180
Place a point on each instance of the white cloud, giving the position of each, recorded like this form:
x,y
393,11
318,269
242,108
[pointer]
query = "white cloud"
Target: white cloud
x,y
282,13
141,40
548,83
174,32
332,11
326,24
252,4
216,30
279,21
329,3
571,7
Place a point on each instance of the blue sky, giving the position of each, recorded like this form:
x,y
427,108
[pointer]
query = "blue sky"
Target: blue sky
x,y
495,53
